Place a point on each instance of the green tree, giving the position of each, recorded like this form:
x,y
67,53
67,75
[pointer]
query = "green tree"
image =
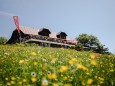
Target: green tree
x,y
102,49
93,40
83,39
3,40
87,40
90,42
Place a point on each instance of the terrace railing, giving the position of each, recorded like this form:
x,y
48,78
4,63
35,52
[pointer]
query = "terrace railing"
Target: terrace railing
x,y
45,38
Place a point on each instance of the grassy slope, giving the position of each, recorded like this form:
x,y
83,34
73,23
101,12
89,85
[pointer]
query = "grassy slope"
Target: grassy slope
x,y
35,66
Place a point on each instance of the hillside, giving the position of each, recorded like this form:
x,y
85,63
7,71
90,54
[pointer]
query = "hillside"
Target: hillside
x,y
22,65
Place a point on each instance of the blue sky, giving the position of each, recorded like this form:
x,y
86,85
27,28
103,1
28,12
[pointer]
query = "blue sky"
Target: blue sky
x,y
95,17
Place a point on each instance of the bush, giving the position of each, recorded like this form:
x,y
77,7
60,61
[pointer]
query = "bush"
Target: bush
x,y
79,47
72,47
3,40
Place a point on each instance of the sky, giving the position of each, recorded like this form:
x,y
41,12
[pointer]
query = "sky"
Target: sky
x,y
93,17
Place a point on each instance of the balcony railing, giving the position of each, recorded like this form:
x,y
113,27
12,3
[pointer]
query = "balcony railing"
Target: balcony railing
x,y
46,38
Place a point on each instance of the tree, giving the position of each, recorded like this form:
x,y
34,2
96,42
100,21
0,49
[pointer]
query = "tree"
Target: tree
x,y
91,42
87,40
3,40
102,49
83,39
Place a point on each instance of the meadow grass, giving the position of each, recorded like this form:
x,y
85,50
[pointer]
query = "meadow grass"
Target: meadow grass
x,y
39,66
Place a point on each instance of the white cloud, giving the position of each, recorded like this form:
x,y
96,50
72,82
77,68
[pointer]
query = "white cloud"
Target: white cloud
x,y
2,13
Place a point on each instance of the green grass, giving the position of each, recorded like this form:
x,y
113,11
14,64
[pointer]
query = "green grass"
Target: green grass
x,y
22,65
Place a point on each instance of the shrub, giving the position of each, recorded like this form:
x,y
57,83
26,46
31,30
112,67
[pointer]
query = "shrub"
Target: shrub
x,y
79,47
3,40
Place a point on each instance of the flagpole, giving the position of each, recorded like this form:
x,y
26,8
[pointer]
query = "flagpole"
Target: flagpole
x,y
17,27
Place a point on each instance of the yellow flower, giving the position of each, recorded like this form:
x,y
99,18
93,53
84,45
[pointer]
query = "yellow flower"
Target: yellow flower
x,y
72,61
111,70
102,79
8,83
24,80
101,82
87,73
82,83
68,84
33,53
63,68
33,79
95,77
103,71
89,81
13,78
55,84
80,66
12,82
93,62
6,79
21,61
92,56
65,78
44,67
35,63
61,75
85,68
20,82
52,76
53,60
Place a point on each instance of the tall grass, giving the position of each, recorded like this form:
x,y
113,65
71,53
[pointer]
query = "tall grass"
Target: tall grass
x,y
38,66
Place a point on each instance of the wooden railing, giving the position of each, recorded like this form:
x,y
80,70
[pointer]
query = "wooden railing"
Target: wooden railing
x,y
45,38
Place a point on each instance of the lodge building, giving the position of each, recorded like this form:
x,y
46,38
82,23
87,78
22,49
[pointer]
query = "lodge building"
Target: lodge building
x,y
43,37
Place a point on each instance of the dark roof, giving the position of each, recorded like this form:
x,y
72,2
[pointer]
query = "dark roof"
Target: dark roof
x,y
40,30
61,33
54,35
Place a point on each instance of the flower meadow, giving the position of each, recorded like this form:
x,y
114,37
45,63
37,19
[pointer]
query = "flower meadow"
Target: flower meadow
x,y
39,66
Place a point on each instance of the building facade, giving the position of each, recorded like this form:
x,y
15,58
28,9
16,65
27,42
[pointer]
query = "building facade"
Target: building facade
x,y
43,37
